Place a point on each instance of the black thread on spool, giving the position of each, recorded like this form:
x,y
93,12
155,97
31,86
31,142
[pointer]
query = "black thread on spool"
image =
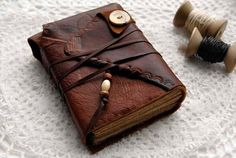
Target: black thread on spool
x,y
212,50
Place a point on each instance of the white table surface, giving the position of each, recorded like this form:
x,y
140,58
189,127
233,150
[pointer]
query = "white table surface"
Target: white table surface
x,y
34,121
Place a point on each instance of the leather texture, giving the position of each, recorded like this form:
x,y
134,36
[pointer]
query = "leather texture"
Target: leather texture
x,y
62,44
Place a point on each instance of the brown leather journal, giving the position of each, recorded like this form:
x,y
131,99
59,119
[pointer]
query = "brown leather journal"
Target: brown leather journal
x,y
77,51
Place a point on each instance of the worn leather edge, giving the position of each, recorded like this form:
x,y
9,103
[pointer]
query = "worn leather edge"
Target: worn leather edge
x,y
34,45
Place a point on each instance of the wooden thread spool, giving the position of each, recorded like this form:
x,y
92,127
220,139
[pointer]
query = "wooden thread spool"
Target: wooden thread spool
x,y
195,41
214,28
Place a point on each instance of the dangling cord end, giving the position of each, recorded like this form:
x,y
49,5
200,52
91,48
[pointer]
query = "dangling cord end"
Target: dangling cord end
x,y
104,95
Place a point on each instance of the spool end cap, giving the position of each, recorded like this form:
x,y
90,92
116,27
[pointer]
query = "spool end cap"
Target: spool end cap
x,y
182,14
230,58
217,28
194,42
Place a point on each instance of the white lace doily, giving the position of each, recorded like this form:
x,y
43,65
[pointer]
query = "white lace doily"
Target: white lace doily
x,y
34,121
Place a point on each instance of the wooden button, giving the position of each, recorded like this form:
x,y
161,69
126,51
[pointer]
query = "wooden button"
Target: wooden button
x,y
119,17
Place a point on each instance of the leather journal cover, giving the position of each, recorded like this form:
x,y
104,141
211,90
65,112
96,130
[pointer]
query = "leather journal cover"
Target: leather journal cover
x,y
77,51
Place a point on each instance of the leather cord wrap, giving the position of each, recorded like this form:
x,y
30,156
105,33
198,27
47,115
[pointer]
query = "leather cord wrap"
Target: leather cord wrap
x,y
88,58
